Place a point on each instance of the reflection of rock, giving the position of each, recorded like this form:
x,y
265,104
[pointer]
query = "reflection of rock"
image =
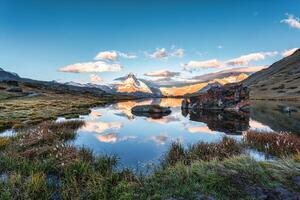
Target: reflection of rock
x,y
270,113
153,111
108,138
227,122
99,127
164,120
231,97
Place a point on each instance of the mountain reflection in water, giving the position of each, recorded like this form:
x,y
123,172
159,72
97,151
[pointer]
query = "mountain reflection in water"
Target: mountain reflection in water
x,y
139,141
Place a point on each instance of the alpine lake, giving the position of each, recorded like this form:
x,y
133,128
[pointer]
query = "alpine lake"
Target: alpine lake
x,y
140,142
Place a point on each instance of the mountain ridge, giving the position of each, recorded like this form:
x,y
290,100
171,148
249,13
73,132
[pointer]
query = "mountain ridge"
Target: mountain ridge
x,y
279,81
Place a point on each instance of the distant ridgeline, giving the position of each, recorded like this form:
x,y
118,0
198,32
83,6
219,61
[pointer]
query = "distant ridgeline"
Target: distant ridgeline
x,y
14,79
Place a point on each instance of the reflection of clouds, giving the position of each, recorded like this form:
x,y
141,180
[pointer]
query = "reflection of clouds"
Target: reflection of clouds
x,y
128,137
160,139
95,114
108,138
99,127
113,137
200,129
255,125
164,120
126,106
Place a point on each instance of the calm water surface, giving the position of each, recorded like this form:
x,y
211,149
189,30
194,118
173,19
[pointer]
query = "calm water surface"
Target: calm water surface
x,y
141,141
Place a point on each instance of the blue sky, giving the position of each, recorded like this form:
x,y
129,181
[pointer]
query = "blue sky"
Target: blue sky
x,y
37,38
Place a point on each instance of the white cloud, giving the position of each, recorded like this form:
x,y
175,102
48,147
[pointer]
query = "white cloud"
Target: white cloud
x,y
220,47
91,67
162,73
192,65
162,53
158,54
107,55
249,69
113,55
127,56
246,59
292,21
289,52
95,78
178,53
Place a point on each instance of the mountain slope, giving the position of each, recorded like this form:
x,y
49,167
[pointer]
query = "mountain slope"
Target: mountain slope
x,y
133,86
46,85
189,89
279,81
5,75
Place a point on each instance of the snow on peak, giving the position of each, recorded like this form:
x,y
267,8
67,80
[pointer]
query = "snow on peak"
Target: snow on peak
x,y
132,84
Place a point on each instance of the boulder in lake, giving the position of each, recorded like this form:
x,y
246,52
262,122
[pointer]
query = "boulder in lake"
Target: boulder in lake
x,y
153,111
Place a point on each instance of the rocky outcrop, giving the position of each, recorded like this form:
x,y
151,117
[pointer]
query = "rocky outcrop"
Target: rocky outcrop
x,y
153,111
230,97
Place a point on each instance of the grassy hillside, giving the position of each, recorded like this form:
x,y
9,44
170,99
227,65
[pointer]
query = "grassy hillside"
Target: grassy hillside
x,y
279,81
22,103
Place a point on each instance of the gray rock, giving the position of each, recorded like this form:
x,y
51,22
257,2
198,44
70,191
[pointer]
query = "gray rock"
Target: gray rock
x,y
154,111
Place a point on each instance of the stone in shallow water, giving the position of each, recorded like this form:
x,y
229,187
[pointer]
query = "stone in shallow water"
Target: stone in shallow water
x,y
153,111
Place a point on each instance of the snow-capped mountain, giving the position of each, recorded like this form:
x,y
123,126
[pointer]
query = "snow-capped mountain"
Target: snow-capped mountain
x,y
105,88
131,85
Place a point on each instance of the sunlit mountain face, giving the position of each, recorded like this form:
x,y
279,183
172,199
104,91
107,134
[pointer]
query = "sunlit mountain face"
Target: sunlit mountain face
x,y
132,85
181,91
167,87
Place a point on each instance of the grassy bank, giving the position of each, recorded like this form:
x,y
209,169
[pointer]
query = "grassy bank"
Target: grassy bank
x,y
34,104
37,163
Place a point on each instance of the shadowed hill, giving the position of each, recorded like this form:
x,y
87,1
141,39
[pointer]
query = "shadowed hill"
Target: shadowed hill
x,y
279,81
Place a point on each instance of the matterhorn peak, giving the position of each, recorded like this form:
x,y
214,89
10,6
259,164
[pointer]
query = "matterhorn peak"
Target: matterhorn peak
x,y
131,79
131,75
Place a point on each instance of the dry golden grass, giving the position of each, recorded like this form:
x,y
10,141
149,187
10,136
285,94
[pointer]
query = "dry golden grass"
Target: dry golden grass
x,y
273,143
18,112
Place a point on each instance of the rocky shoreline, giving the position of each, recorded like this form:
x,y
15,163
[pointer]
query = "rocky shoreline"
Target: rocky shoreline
x,y
230,97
